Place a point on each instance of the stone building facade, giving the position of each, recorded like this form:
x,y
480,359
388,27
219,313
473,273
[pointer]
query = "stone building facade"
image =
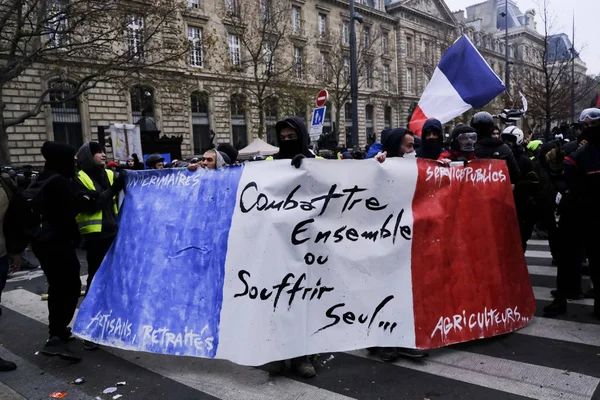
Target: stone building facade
x,y
204,101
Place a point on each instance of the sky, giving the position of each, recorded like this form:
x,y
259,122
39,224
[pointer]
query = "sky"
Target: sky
x,y
587,17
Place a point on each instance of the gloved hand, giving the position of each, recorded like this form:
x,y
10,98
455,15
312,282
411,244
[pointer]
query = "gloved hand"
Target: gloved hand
x,y
297,160
119,183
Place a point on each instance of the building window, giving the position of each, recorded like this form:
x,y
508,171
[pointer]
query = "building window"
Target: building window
x,y
238,121
322,26
387,118
135,36
297,20
385,41
370,130
409,46
385,76
194,3
195,39
324,65
200,122
269,56
369,75
142,102
346,68
409,80
298,62
57,24
265,11
271,118
427,50
346,33
235,51
232,7
66,120
366,37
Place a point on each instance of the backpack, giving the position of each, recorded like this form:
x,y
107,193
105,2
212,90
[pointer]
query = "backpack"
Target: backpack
x,y
26,211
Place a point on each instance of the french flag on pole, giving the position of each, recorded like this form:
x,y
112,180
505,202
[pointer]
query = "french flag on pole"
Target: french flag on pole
x,y
463,80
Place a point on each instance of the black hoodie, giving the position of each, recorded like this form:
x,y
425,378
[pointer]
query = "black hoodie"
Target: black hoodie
x,y
103,195
288,149
391,140
59,198
493,148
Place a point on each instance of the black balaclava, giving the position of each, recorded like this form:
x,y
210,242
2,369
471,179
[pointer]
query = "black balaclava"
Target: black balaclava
x,y
288,149
60,158
592,135
392,141
431,148
456,132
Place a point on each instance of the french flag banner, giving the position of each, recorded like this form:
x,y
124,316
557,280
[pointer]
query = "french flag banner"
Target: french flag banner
x,y
265,262
463,80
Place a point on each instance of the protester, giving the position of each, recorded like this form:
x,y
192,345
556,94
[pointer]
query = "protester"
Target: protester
x,y
489,147
396,143
432,140
462,145
527,189
230,151
98,225
293,139
155,161
58,200
7,190
582,176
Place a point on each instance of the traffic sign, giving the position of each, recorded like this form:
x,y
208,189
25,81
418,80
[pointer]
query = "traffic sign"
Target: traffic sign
x,y
322,98
316,124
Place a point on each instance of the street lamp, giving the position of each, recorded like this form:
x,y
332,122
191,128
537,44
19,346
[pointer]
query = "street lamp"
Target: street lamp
x,y
354,72
507,60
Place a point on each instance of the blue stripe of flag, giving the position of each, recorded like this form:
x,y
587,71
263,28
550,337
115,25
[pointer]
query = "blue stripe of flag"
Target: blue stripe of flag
x,y
470,74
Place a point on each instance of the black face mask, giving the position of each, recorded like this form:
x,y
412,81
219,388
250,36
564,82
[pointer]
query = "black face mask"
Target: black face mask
x,y
432,143
290,148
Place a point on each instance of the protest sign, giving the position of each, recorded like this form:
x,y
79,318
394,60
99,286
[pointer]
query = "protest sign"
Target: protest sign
x,y
263,262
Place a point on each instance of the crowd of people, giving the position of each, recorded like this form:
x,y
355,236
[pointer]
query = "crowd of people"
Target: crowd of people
x,y
74,200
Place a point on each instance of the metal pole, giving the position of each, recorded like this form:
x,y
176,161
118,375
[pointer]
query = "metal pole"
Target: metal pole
x,y
573,54
507,79
354,77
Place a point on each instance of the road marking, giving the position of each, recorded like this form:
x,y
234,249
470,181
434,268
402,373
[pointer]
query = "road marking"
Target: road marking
x,y
538,254
541,270
567,331
508,376
218,378
538,242
25,275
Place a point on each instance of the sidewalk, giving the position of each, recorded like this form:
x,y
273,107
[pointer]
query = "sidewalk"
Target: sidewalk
x,y
7,393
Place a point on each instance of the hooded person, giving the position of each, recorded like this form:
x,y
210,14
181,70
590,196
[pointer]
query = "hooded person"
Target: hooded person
x,y
155,161
230,151
55,242
396,142
432,140
488,147
293,140
213,159
462,144
98,225
579,218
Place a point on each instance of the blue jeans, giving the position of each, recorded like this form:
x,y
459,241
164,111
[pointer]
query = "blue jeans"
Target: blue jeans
x,y
4,264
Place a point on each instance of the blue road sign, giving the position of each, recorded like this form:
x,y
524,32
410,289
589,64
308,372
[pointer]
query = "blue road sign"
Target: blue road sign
x,y
318,116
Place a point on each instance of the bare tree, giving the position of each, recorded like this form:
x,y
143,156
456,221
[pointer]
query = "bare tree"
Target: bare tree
x,y
547,85
86,41
331,67
259,55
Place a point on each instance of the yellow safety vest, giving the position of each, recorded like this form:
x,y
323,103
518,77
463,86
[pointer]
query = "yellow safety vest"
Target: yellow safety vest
x,y
92,222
